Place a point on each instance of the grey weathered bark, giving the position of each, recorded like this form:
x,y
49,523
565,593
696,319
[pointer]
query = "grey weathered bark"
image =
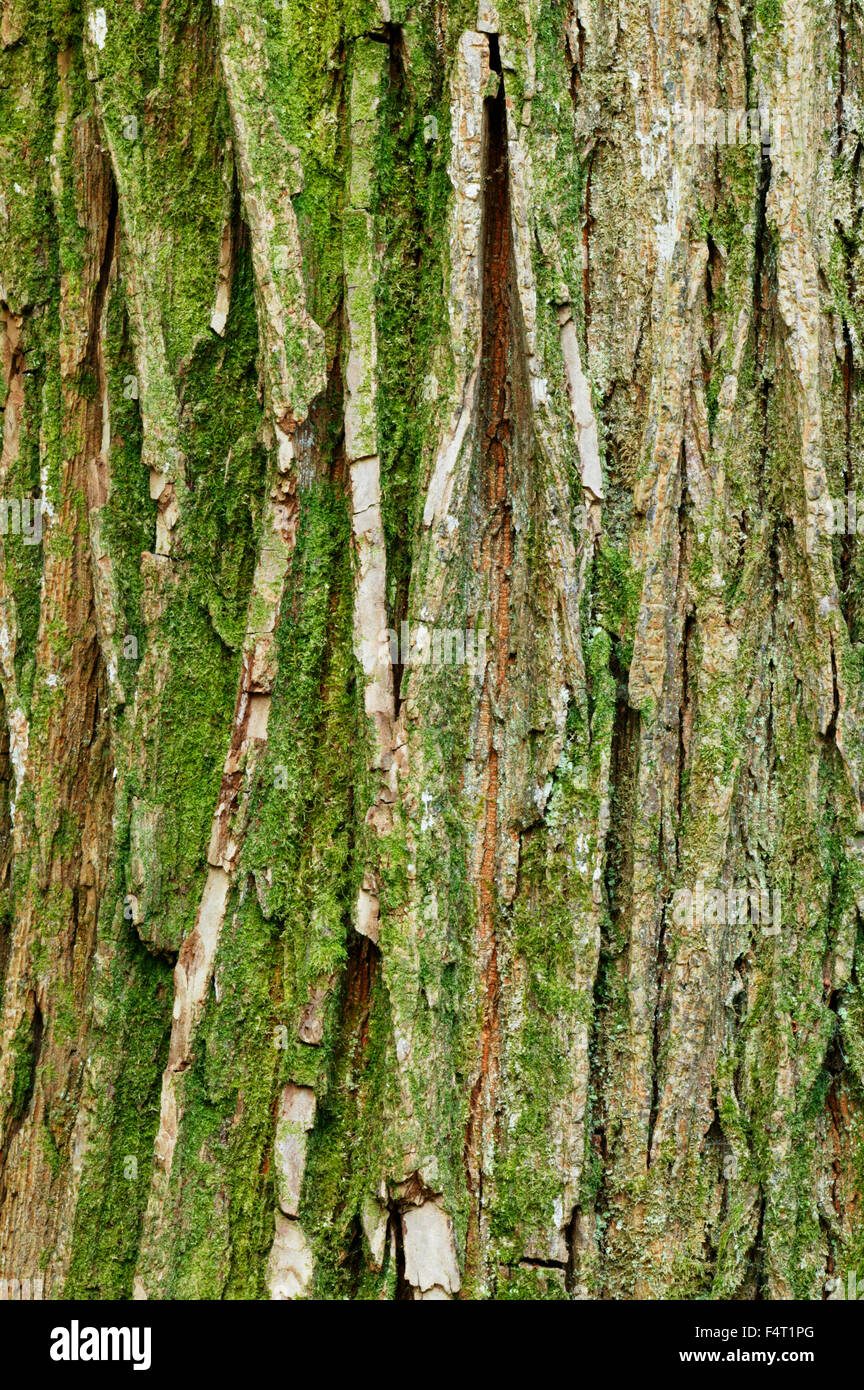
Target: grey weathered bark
x,y
432,836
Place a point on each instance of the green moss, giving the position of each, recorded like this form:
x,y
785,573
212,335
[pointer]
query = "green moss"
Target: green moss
x,y
412,192
24,1057
133,994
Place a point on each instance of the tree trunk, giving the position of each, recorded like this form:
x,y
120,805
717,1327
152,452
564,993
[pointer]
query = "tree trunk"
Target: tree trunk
x,y
431,830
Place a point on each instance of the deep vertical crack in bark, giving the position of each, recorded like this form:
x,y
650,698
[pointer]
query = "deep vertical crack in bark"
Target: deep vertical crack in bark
x,y
499,343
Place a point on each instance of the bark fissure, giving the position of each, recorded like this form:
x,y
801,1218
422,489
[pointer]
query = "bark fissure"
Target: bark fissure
x,y
495,426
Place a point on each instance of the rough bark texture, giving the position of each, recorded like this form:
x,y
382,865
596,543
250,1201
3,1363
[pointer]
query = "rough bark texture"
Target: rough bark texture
x,y
334,336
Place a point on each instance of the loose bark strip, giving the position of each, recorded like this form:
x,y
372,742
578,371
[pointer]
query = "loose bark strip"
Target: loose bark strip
x,y
277,259
371,639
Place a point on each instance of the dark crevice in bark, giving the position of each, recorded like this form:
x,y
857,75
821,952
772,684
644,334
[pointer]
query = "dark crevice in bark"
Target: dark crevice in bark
x,y
576,62
587,228
571,1237
685,722
657,1022
715,1151
98,301
529,1262
617,889
714,276
716,1136
354,1257
623,777
320,438
499,343
760,236
403,1293
737,1011
831,731
361,973
759,1256
685,703
848,548
760,282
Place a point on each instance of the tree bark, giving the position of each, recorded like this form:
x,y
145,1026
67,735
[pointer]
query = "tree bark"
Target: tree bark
x,y
431,830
